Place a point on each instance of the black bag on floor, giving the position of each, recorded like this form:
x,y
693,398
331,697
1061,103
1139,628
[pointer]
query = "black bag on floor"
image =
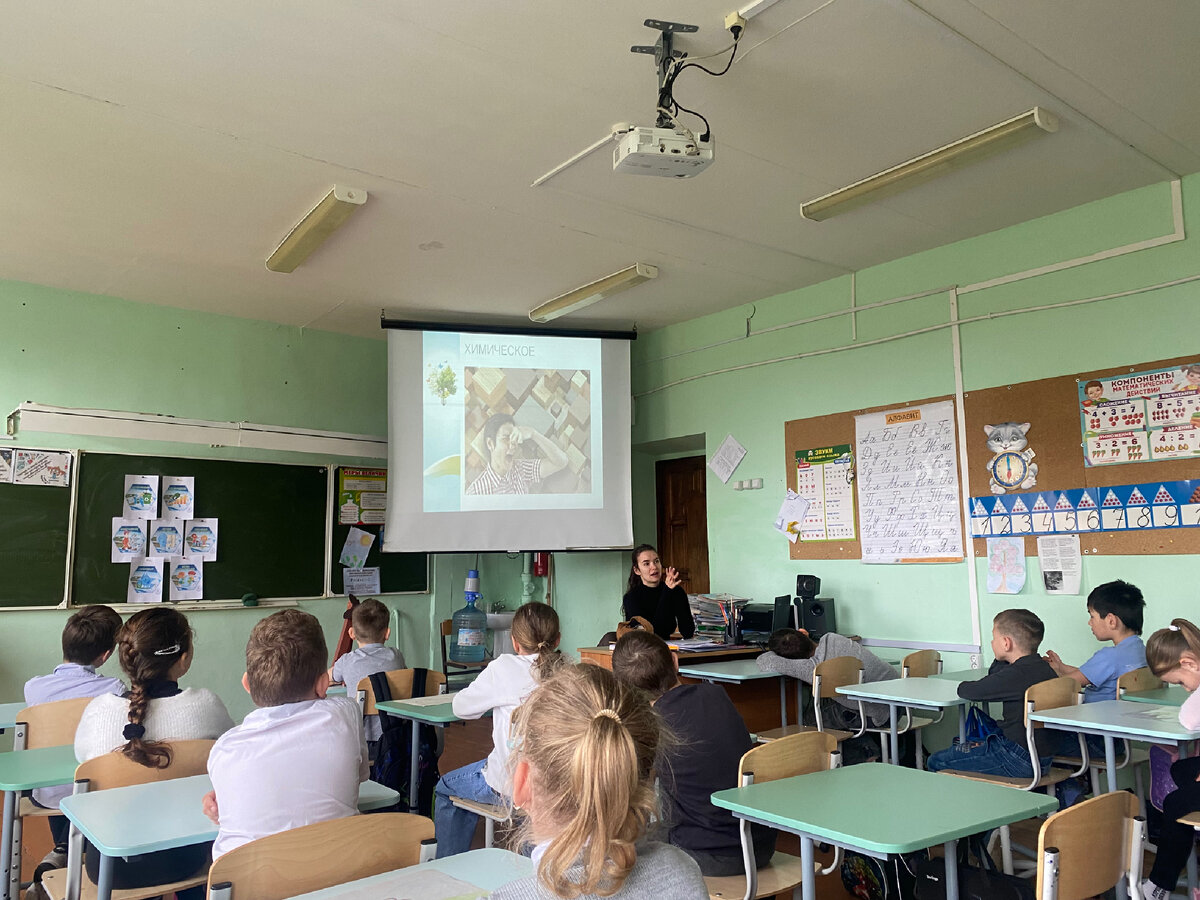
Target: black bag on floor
x,y
868,878
392,766
982,882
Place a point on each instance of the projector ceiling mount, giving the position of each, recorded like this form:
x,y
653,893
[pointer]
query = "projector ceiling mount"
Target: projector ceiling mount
x,y
664,55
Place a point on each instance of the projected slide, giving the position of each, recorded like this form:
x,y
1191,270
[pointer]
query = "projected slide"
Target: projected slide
x,y
511,422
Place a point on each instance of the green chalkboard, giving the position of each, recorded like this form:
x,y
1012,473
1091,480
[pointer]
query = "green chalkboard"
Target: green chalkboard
x,y
34,524
270,532
398,572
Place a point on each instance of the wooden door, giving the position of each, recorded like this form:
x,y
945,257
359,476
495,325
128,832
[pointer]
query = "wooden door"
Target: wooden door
x,y
683,520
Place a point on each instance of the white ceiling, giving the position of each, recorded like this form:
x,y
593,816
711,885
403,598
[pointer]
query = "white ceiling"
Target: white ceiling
x,y
159,151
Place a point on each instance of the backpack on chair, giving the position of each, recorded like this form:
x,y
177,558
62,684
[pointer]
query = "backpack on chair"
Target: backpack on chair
x,y
392,766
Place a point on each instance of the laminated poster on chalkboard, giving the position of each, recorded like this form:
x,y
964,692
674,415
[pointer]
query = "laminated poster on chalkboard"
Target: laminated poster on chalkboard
x,y
6,465
145,580
140,499
907,485
50,468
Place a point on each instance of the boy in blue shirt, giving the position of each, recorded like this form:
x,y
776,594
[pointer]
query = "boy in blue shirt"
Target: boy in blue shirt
x,y
1114,614
87,642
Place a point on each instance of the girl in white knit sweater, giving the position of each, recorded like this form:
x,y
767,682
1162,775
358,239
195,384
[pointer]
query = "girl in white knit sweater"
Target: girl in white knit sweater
x,y
155,648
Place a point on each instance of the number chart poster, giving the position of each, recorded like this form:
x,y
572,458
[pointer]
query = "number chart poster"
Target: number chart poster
x,y
908,485
825,478
1142,416
1129,507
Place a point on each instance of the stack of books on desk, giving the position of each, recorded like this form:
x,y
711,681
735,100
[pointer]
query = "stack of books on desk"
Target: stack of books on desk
x,y
716,615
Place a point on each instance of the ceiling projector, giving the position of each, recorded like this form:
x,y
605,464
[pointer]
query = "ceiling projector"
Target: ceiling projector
x,y
668,152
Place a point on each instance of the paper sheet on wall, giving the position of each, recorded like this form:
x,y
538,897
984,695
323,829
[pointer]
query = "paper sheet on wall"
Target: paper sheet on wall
x,y
6,465
1061,563
1006,565
178,497
46,467
791,515
140,500
361,582
727,457
355,550
200,539
825,478
186,578
166,538
129,539
145,580
908,506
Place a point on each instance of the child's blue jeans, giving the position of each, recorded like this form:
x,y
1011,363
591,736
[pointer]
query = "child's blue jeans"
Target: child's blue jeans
x,y
995,756
454,827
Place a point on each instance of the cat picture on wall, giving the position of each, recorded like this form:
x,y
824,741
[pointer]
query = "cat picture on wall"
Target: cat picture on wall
x,y
1012,465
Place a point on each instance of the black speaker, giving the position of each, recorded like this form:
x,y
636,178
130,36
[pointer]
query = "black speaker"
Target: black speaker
x,y
807,586
817,616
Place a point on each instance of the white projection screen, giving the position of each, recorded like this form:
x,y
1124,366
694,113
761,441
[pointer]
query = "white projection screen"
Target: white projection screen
x,y
507,442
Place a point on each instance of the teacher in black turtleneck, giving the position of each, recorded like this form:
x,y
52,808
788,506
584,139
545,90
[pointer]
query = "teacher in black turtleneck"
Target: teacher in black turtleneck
x,y
655,595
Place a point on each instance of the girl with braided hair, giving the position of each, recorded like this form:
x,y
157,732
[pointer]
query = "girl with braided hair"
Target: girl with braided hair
x,y
155,650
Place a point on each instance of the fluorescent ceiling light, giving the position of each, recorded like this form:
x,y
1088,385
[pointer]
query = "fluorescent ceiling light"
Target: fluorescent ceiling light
x,y
112,423
322,220
585,296
937,162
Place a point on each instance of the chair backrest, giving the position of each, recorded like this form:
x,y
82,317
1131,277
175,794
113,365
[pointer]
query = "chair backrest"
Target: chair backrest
x,y
1138,680
447,629
1051,694
834,673
796,754
400,682
114,770
318,856
921,664
1096,842
52,724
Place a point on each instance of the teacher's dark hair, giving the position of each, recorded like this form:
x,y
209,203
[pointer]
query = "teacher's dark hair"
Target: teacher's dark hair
x,y
634,578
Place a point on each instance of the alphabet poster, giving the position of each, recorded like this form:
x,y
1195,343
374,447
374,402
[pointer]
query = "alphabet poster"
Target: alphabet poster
x,y
908,485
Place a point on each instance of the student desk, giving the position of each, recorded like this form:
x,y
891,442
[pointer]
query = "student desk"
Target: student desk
x,y
160,815
336,690
23,770
8,714
877,809
961,675
485,870
437,710
1167,695
735,672
754,699
916,693
1112,719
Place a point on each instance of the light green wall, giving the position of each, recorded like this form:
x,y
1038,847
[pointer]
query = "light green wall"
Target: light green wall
x,y
70,349
923,602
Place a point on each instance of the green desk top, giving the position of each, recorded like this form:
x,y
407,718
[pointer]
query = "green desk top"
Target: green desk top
x,y
882,808
486,869
8,713
441,713
1167,695
159,815
730,670
961,675
1142,722
936,693
23,770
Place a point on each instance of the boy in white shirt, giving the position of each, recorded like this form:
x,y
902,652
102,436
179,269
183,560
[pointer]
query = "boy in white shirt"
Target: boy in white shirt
x,y
369,628
87,642
297,759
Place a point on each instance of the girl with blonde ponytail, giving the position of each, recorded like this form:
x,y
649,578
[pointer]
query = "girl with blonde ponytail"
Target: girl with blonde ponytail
x,y
499,689
155,649
585,744
1173,654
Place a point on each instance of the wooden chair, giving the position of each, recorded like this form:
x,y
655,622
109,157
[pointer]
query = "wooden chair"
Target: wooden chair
x,y
457,674
41,725
796,754
1051,694
828,676
320,856
491,813
1133,680
114,770
1085,850
921,664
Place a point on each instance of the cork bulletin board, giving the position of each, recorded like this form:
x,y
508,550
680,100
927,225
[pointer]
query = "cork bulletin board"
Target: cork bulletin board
x,y
1051,406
